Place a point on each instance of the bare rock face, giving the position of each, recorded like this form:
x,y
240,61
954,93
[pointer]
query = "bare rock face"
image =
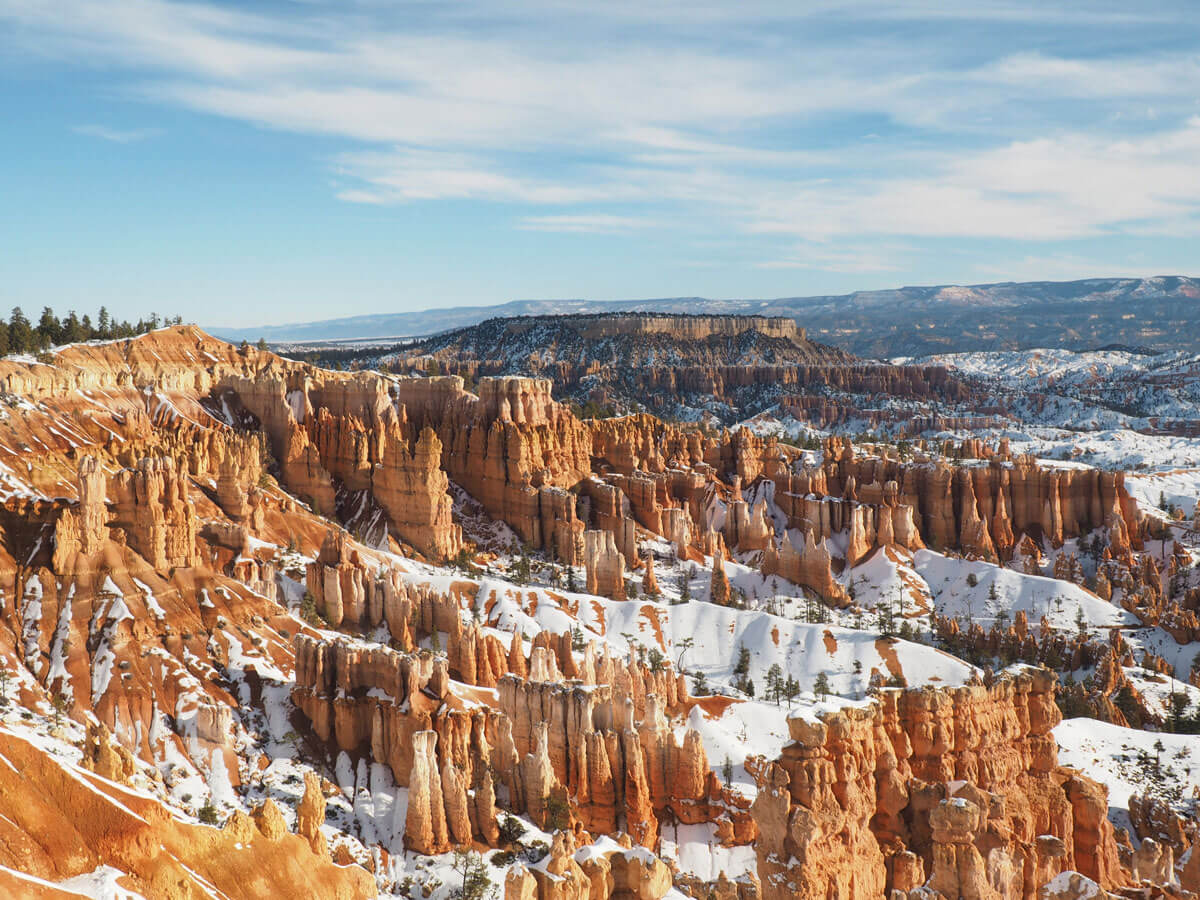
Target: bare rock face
x,y
84,529
604,564
562,878
152,506
810,565
961,784
484,811
519,884
719,586
1153,862
412,487
425,828
62,824
454,796
269,820
107,760
310,814
958,867
640,874
1189,877
649,580
1096,855
748,527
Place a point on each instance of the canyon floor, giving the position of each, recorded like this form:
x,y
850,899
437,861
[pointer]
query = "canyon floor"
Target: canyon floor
x,y
634,606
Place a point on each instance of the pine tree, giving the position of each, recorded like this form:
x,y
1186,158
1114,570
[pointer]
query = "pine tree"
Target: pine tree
x,y
791,689
73,331
476,882
743,661
821,685
103,323
20,334
774,682
49,328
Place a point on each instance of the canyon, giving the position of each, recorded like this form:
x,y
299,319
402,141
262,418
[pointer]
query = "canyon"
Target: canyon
x,y
354,629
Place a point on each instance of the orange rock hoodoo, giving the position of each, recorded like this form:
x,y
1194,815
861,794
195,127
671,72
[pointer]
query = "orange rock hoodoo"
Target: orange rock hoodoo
x,y
129,560
957,791
601,743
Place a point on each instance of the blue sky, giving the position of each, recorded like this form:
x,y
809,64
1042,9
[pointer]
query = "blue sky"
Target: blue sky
x,y
291,160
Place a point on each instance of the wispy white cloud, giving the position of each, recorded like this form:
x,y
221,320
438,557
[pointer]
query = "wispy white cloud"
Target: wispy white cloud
x,y
117,135
585,224
404,175
879,256
1070,186
807,120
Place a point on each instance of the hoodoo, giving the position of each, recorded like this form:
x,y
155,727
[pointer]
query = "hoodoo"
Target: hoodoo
x,y
360,619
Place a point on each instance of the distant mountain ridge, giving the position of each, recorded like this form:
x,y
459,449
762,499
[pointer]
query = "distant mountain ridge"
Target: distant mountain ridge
x,y
1160,313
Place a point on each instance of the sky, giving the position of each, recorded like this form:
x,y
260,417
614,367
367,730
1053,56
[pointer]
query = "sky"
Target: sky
x,y
273,161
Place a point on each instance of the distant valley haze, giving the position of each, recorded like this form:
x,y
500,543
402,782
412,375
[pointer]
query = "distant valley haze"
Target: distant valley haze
x,y
1153,313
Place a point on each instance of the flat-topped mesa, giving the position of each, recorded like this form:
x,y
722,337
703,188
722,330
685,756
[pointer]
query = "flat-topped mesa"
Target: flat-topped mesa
x,y
692,328
953,790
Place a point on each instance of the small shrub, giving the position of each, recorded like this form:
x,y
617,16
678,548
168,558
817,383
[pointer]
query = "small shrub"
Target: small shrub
x,y
511,829
208,814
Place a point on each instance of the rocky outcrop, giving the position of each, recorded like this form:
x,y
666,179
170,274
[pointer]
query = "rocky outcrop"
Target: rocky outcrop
x,y
961,784
152,505
810,565
425,829
63,823
599,749
604,564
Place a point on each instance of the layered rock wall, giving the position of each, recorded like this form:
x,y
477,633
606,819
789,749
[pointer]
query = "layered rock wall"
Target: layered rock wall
x,y
955,791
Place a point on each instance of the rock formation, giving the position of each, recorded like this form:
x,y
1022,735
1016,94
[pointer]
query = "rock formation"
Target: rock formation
x,y
961,785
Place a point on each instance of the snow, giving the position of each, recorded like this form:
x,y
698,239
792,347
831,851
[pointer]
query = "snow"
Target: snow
x,y
1035,595
150,600
219,785
1124,760
1074,885
31,619
698,852
1178,487
102,669
100,884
